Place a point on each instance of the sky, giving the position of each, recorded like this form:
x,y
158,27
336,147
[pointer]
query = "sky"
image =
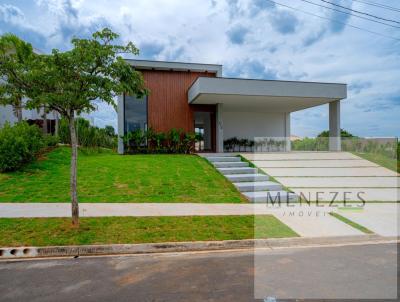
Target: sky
x,y
251,38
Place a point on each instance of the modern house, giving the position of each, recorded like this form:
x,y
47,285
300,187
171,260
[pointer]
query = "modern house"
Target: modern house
x,y
191,97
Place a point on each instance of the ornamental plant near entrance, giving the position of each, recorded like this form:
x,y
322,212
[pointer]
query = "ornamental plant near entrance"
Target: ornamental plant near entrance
x,y
171,142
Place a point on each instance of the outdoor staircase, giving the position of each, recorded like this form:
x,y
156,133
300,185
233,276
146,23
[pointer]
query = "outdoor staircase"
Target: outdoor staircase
x,y
257,187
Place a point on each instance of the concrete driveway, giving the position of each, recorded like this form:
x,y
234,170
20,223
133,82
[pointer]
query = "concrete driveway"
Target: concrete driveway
x,y
339,176
325,175
380,219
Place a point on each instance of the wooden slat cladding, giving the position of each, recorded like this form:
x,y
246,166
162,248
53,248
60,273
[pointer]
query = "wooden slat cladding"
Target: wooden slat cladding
x,y
168,103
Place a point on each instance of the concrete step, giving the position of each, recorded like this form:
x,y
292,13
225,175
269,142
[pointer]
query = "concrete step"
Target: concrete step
x,y
271,196
230,164
257,186
247,177
226,154
225,158
244,170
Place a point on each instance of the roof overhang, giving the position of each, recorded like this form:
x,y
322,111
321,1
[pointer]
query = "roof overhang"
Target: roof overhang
x,y
264,95
175,66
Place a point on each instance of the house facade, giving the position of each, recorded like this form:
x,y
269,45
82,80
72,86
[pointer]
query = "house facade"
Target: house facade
x,y
48,122
196,97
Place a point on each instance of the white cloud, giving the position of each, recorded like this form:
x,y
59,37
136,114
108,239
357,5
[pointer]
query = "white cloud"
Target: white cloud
x,y
11,14
319,50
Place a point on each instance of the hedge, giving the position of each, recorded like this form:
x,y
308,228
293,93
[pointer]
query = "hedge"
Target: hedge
x,y
20,144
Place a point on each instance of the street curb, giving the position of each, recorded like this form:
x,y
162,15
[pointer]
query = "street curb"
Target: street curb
x,y
168,247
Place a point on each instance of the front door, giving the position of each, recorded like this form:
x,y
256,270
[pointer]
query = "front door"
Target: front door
x,y
204,125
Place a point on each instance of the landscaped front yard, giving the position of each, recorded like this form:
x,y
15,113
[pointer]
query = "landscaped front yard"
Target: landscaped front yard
x,y
109,177
108,230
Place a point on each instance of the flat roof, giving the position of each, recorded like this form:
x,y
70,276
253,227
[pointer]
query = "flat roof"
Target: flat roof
x,y
267,95
176,66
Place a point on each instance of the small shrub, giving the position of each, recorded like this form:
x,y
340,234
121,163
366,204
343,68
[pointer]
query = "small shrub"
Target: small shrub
x,y
173,141
19,144
260,144
135,141
51,140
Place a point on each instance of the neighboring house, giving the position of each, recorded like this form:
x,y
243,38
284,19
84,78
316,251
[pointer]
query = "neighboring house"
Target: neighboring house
x,y
294,138
10,114
195,97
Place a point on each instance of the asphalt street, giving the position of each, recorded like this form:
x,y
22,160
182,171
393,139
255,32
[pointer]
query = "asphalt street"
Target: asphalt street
x,y
368,270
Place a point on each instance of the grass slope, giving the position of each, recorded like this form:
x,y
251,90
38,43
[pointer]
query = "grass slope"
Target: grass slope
x,y
106,230
381,160
351,223
109,177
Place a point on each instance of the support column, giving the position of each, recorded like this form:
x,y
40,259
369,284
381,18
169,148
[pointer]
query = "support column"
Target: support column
x,y
334,126
288,145
121,122
219,129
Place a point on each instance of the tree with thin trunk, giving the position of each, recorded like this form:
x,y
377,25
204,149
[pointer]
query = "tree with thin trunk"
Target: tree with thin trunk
x,y
70,82
44,119
17,107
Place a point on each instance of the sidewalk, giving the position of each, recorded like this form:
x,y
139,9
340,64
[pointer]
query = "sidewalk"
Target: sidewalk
x,y
307,221
129,209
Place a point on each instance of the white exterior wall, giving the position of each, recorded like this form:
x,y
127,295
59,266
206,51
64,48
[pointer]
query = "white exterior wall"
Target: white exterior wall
x,y
288,146
334,127
7,115
253,124
33,114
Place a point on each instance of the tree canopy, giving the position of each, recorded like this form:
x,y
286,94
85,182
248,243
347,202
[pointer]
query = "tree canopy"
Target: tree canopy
x,y
343,133
69,82
72,80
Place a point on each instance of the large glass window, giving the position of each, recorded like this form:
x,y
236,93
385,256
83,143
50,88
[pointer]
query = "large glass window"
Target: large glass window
x,y
135,113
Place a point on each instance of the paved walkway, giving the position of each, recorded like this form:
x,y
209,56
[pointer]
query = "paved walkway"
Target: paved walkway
x,y
315,175
128,209
307,221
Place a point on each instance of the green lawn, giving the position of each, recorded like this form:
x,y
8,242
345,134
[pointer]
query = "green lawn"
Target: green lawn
x,y
351,223
109,177
381,160
106,230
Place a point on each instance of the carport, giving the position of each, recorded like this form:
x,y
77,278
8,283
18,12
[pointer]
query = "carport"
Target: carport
x,y
249,108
